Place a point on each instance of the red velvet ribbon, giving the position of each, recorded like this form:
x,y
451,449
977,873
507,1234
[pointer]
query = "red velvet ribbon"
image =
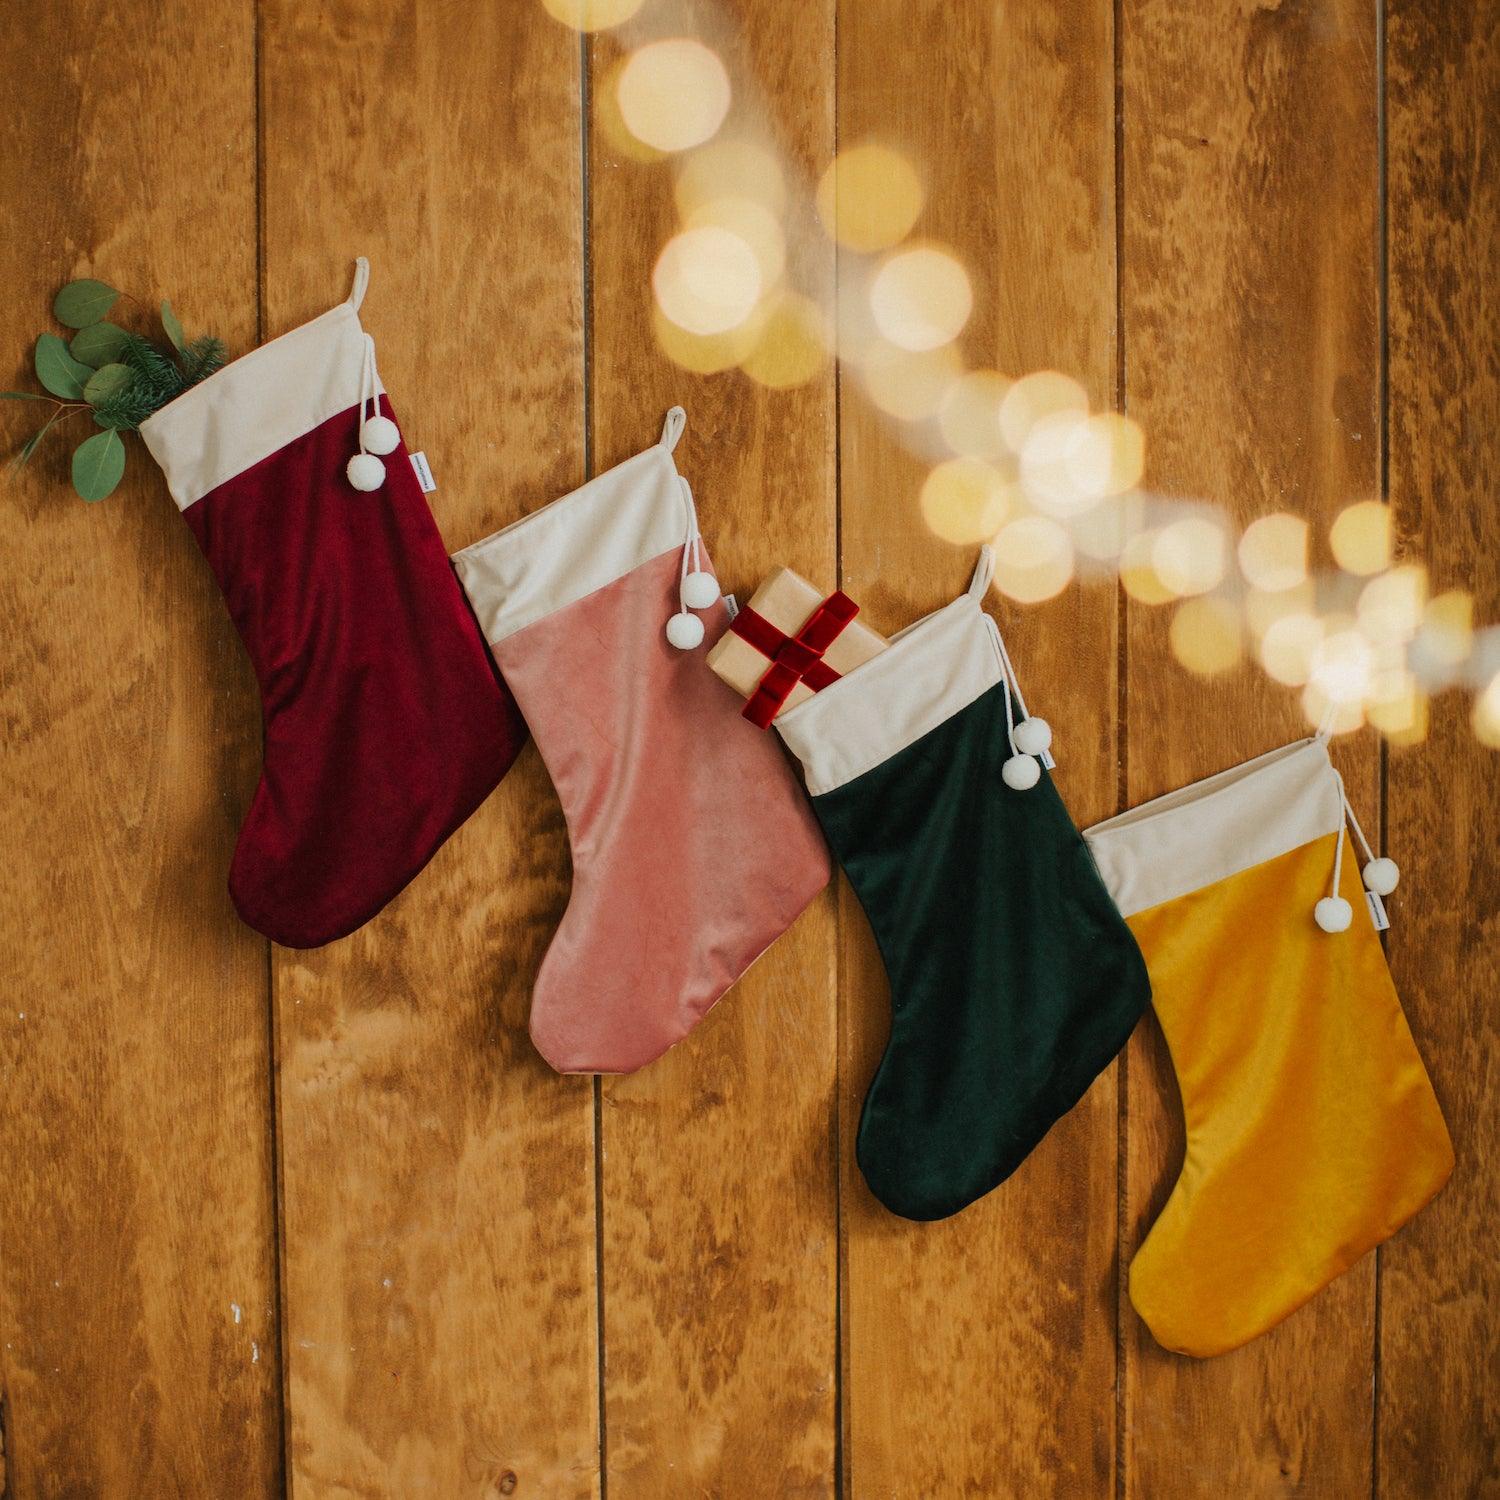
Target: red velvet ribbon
x,y
794,658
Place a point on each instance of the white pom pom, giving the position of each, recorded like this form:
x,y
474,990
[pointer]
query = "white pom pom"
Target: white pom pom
x,y
1020,772
380,435
1033,736
365,471
685,631
1381,876
1333,914
699,590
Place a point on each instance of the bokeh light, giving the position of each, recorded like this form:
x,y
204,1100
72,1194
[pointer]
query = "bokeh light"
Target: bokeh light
x,y
705,353
909,386
1486,716
1391,605
730,168
1047,463
1206,636
921,298
1138,575
707,280
1397,707
793,344
1106,455
1189,555
1273,552
673,94
1033,559
592,15
1287,647
1043,393
1361,538
964,501
1342,666
869,198
970,414
752,222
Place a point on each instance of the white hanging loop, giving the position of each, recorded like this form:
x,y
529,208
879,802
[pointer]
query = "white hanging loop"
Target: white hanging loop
x,y
671,429
1021,771
984,571
377,434
1333,913
696,589
1031,739
361,282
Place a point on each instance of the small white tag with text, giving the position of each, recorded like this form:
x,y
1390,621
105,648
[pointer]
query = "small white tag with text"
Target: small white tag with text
x,y
424,474
1378,914
732,605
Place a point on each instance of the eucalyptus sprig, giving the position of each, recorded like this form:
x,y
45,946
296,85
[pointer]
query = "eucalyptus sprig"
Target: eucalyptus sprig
x,y
120,378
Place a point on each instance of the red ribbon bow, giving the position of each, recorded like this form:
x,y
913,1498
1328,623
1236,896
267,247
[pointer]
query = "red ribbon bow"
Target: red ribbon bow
x,y
794,659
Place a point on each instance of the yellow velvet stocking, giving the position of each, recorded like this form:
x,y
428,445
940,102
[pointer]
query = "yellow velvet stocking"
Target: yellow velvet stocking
x,y
1312,1129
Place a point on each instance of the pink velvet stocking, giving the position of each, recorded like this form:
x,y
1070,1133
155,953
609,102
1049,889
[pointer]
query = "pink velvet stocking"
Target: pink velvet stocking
x,y
693,847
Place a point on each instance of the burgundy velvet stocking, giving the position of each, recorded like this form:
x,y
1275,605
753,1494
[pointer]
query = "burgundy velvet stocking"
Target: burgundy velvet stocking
x,y
385,723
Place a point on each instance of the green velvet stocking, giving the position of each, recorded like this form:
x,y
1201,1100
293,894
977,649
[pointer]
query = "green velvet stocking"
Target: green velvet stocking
x,y
1014,980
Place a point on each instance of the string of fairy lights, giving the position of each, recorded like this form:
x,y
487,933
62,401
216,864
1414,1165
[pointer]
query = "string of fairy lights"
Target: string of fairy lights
x,y
1020,461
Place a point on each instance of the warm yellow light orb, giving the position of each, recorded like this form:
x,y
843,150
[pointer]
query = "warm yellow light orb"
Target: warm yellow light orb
x,y
869,198
1391,605
1361,538
1342,667
705,354
730,169
592,15
970,414
1273,552
1043,393
707,280
1188,555
673,94
1106,456
1033,559
754,223
1287,647
965,501
1206,636
909,386
793,344
1138,575
921,298
1048,464
1486,715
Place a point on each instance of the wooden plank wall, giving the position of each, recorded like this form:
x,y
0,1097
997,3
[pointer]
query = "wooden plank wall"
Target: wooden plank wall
x,y
322,1224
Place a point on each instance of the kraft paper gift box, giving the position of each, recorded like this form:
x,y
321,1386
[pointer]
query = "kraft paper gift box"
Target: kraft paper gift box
x,y
788,642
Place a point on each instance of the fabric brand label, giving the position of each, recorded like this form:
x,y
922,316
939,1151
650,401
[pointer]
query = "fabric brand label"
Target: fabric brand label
x,y
1378,913
423,473
732,605
1047,760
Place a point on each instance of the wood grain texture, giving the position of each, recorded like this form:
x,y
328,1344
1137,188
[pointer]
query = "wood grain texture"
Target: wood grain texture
x,y
1251,344
438,1204
137,1268
718,1190
948,1327
1439,1395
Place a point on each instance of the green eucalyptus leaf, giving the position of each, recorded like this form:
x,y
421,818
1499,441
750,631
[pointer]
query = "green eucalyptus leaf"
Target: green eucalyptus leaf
x,y
58,370
172,326
109,380
98,463
20,396
21,458
99,344
83,302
